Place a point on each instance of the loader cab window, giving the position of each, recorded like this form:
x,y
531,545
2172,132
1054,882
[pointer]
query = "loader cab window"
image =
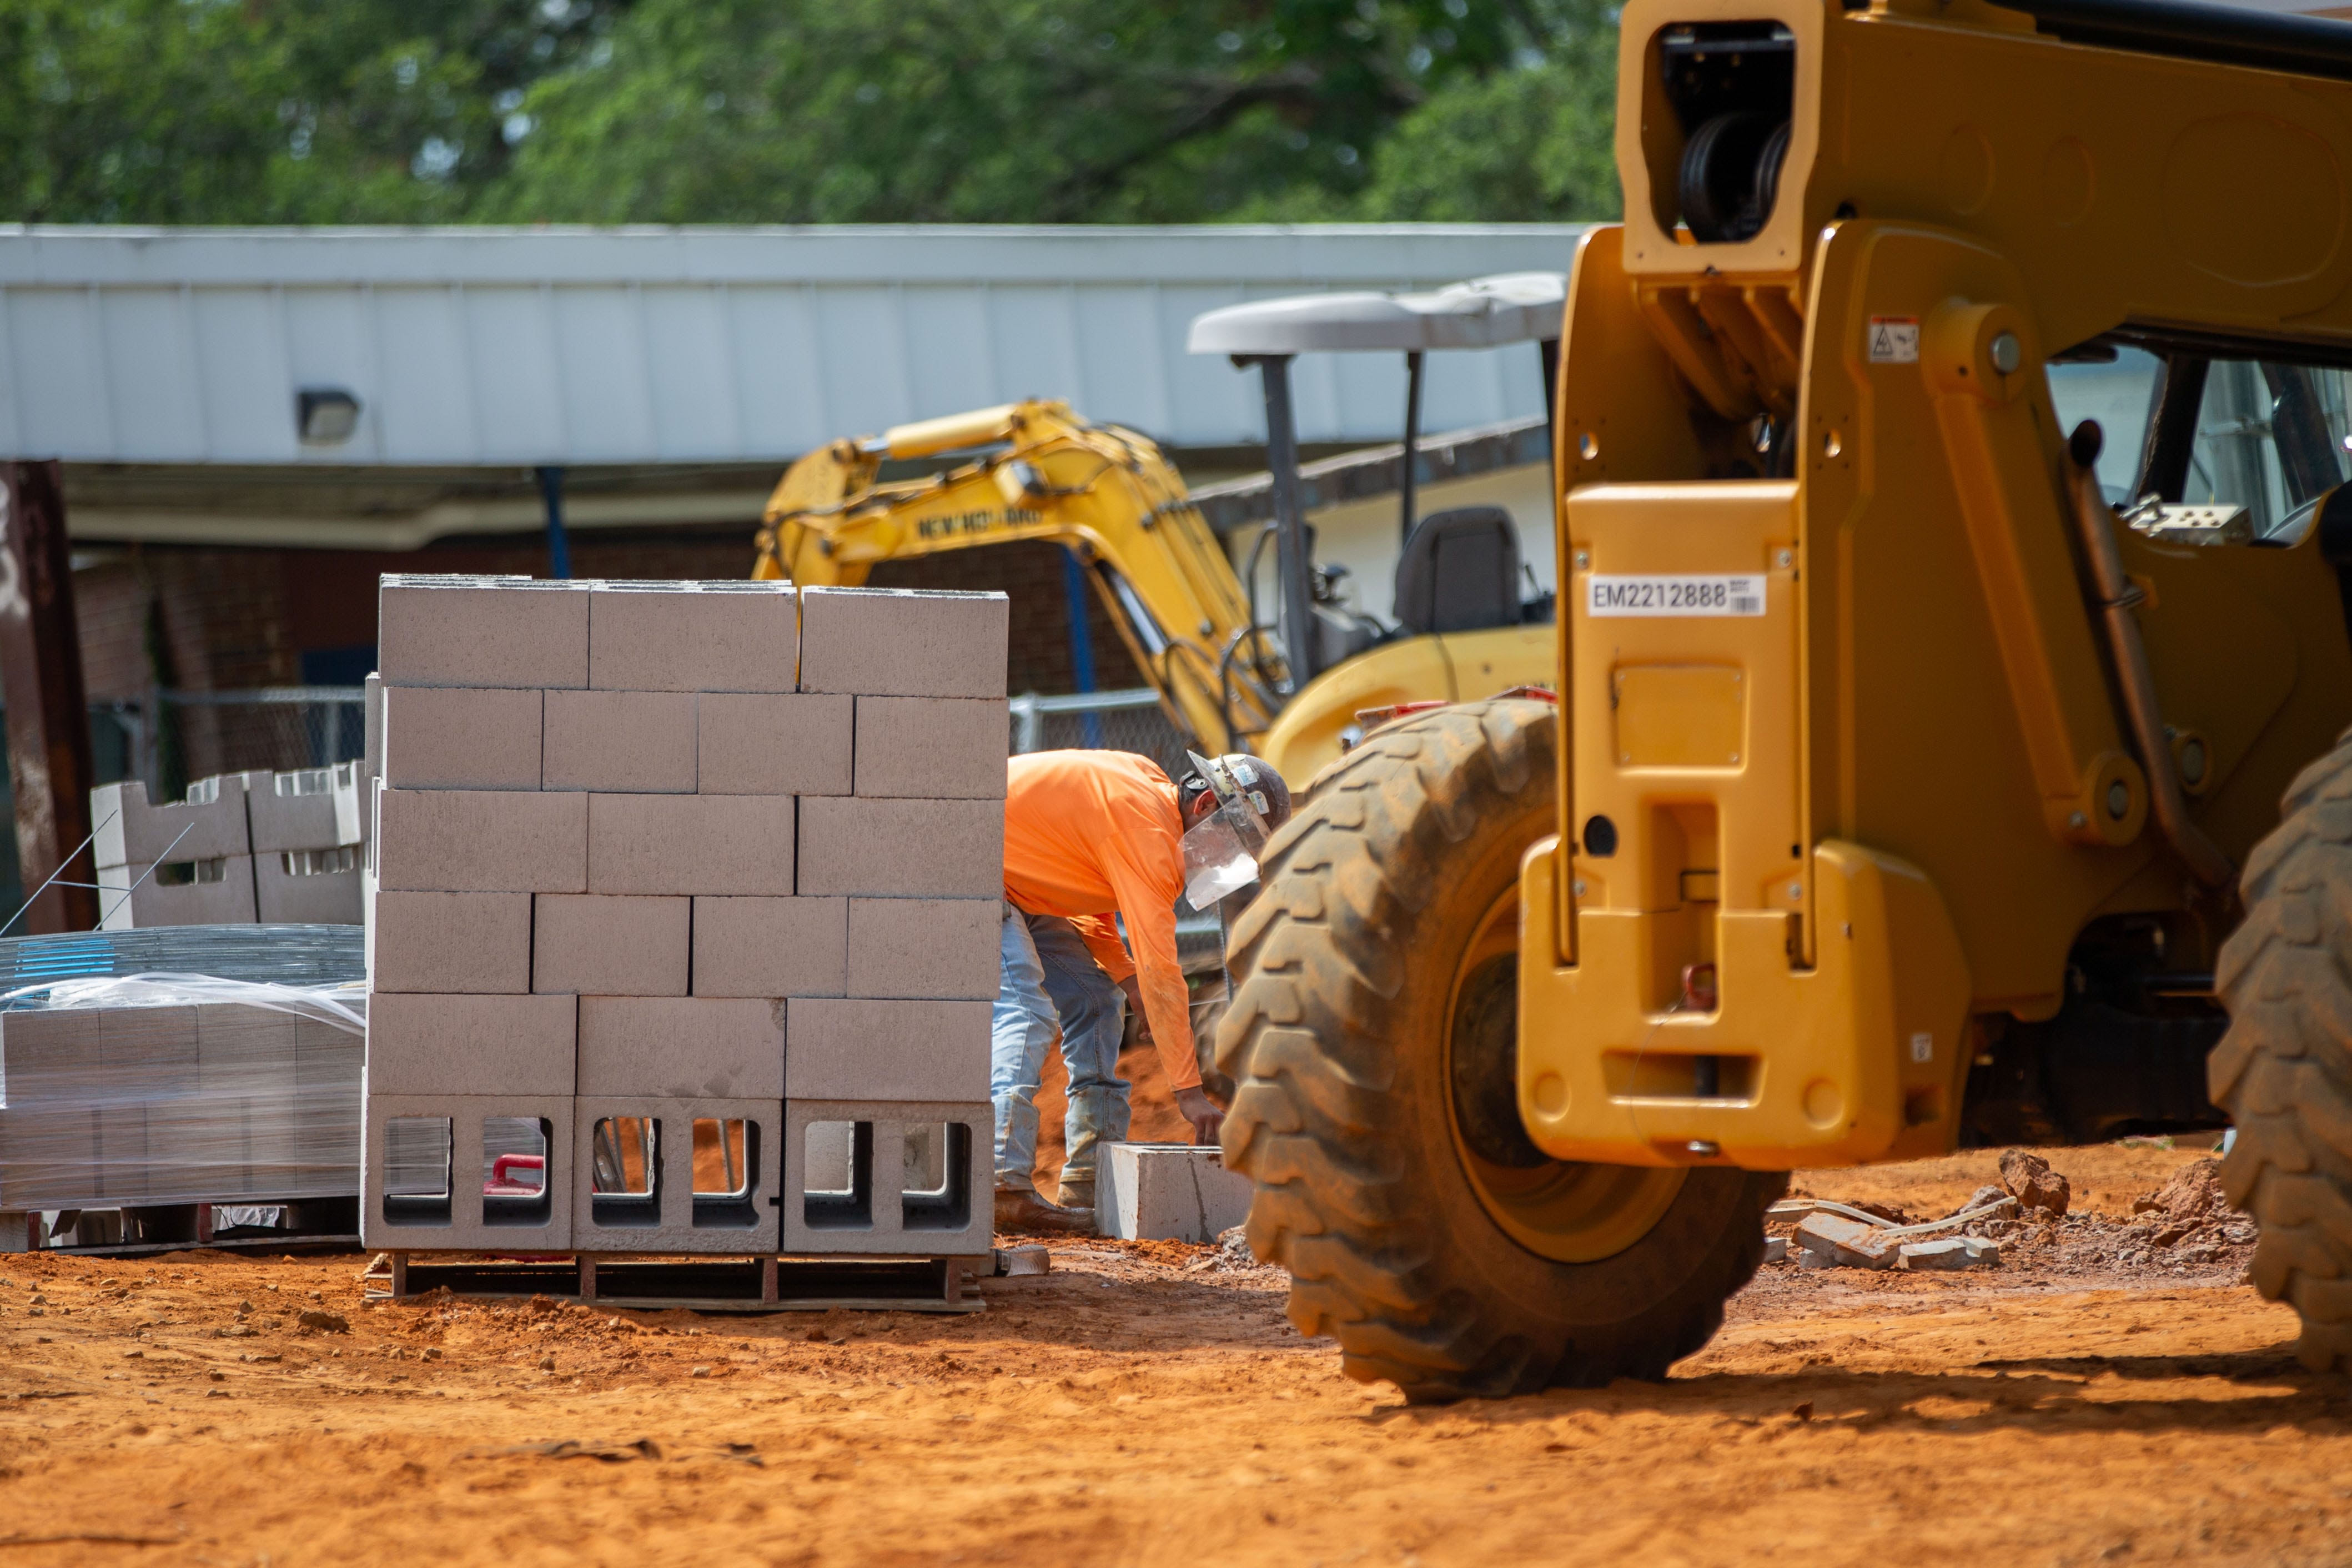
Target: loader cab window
x,y
2269,437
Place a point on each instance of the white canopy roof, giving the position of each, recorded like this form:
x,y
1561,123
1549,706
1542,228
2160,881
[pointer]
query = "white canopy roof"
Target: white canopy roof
x,y
1484,313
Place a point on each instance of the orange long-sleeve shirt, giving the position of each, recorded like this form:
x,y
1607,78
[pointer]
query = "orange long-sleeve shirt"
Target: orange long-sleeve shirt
x,y
1090,832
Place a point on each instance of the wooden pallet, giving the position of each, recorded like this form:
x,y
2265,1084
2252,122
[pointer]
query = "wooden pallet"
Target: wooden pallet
x,y
695,1284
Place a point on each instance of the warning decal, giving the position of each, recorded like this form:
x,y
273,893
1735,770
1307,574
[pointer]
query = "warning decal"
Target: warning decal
x,y
1895,339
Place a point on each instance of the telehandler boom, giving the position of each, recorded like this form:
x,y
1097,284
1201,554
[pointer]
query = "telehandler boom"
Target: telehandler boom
x,y
1899,787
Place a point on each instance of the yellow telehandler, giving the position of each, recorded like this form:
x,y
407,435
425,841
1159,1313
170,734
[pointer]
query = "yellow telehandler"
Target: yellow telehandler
x,y
1916,774
1231,677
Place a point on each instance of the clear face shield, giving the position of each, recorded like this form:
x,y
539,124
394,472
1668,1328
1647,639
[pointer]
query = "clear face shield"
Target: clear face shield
x,y
1220,853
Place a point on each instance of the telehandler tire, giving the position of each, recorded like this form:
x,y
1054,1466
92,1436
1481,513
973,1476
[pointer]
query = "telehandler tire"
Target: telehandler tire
x,y
2284,1070
1372,1035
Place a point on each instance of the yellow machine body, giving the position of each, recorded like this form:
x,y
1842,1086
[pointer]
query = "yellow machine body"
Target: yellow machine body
x,y
1880,804
1112,496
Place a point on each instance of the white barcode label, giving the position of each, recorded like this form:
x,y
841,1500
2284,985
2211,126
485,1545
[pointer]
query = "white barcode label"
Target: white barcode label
x,y
1701,593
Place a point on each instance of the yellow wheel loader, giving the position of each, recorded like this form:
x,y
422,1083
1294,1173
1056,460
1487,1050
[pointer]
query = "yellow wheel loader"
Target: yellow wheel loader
x,y
1229,676
1950,451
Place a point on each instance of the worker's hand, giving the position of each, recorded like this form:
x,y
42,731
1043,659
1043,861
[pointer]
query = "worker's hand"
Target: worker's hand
x,y
1194,1105
1134,989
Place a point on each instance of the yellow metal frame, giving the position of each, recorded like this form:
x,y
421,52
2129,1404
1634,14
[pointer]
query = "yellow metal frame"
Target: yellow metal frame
x,y
1931,791
1045,473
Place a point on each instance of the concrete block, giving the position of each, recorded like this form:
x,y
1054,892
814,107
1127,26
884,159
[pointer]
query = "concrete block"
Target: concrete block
x,y
771,947
470,1045
208,825
891,642
477,943
461,737
309,809
932,748
902,848
948,948
693,636
309,887
371,727
219,892
1168,1192
833,1205
1949,1252
626,741
1776,1249
481,841
761,744
682,1048
428,1157
608,945
46,1056
693,1202
481,631
1852,1243
715,844
838,1048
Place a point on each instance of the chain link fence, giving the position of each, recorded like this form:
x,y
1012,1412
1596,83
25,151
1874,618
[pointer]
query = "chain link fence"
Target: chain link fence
x,y
172,738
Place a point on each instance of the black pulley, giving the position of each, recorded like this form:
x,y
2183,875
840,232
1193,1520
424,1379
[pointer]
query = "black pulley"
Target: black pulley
x,y
1730,174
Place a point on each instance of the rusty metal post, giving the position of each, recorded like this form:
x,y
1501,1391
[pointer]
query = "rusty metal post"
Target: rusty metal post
x,y
40,678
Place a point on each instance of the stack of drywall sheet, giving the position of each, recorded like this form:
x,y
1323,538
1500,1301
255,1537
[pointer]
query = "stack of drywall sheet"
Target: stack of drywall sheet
x,y
169,1100
663,873
278,848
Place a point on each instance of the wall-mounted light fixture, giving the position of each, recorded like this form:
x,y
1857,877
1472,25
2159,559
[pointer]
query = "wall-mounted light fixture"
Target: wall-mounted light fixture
x,y
325,416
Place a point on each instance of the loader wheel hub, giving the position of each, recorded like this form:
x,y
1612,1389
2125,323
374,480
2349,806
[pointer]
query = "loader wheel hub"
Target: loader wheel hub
x,y
1563,1210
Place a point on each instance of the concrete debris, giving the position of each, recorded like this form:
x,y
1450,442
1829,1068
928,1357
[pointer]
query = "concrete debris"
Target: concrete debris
x,y
1853,1243
1776,1249
1949,1252
2034,1186
1809,1258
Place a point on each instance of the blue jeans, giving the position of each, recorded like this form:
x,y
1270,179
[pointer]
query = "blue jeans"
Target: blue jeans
x,y
1051,981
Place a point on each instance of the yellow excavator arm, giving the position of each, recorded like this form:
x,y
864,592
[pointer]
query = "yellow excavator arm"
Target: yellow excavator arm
x,y
1037,471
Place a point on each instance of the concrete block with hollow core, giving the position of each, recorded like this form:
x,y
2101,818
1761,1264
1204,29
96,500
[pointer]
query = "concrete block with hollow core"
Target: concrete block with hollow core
x,y
476,943
932,748
849,1186
896,642
771,947
902,848
461,737
128,831
427,1161
309,887
945,949
520,632
218,891
655,1173
722,1047
849,1048
774,743
481,841
698,637
610,946
626,741
424,1044
736,845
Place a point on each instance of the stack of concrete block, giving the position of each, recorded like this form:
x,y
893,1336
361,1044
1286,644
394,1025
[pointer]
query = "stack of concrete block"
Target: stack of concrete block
x,y
650,856
112,1106
277,848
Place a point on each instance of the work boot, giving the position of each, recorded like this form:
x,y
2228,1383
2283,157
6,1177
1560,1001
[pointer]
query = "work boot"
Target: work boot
x,y
1026,1211
1077,1193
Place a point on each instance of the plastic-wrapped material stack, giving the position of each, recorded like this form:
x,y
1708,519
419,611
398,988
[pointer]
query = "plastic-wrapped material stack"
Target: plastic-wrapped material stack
x,y
160,1089
277,848
683,917
282,954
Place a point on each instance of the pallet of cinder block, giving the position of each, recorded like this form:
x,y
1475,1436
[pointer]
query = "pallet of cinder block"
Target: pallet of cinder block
x,y
640,897
278,848
106,1104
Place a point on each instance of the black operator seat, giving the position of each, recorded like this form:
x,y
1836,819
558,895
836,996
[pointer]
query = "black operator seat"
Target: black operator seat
x,y
1459,572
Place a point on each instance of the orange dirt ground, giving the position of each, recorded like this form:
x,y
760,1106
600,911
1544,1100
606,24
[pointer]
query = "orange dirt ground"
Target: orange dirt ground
x,y
1149,1404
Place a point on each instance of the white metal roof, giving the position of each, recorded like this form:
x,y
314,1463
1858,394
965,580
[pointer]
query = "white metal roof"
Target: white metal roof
x,y
1484,313
482,346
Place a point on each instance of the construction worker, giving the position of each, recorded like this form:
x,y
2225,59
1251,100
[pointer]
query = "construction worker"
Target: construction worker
x,y
1089,836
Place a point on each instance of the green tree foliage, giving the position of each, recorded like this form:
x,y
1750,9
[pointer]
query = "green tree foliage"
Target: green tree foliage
x,y
803,111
